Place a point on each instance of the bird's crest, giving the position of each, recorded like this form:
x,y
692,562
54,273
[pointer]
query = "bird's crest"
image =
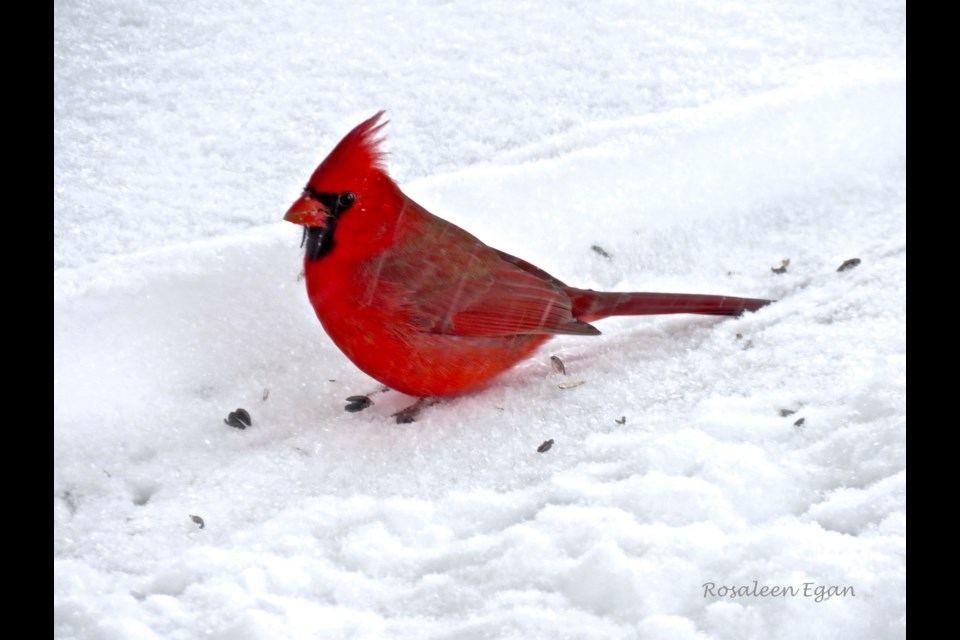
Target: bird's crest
x,y
354,159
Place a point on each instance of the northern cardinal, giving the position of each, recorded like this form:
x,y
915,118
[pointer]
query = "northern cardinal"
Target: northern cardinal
x,y
423,306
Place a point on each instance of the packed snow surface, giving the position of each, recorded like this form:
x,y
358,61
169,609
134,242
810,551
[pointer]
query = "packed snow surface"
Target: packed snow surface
x,y
711,478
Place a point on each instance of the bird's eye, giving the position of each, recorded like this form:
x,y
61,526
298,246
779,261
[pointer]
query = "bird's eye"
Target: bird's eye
x,y
346,199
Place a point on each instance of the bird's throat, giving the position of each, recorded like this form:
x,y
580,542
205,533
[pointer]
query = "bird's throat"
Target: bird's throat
x,y
319,240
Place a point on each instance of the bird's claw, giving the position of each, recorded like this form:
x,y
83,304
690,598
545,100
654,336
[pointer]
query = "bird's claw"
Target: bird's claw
x,y
410,414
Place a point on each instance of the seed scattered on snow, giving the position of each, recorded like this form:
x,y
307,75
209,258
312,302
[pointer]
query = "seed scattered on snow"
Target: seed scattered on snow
x,y
848,264
571,384
198,520
266,394
799,422
358,403
239,419
621,420
543,448
598,249
783,266
786,412
70,501
558,365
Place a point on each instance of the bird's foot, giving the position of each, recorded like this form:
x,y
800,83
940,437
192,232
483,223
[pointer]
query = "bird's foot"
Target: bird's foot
x,y
359,403
410,414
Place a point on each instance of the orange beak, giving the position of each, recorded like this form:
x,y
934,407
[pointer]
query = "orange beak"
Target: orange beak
x,y
308,212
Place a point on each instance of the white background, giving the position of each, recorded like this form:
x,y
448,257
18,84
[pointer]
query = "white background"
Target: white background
x,y
698,143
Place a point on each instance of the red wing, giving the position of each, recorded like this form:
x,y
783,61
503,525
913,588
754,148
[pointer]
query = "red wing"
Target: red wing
x,y
448,282
499,301
519,303
530,268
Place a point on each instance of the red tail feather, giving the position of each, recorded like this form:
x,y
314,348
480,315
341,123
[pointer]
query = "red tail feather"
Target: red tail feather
x,y
594,305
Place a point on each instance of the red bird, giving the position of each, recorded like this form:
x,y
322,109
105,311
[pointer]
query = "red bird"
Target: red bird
x,y
423,306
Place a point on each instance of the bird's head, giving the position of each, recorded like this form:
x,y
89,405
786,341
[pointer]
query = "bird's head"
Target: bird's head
x,y
350,180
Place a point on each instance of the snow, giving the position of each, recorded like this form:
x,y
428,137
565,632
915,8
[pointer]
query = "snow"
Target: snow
x,y
699,144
